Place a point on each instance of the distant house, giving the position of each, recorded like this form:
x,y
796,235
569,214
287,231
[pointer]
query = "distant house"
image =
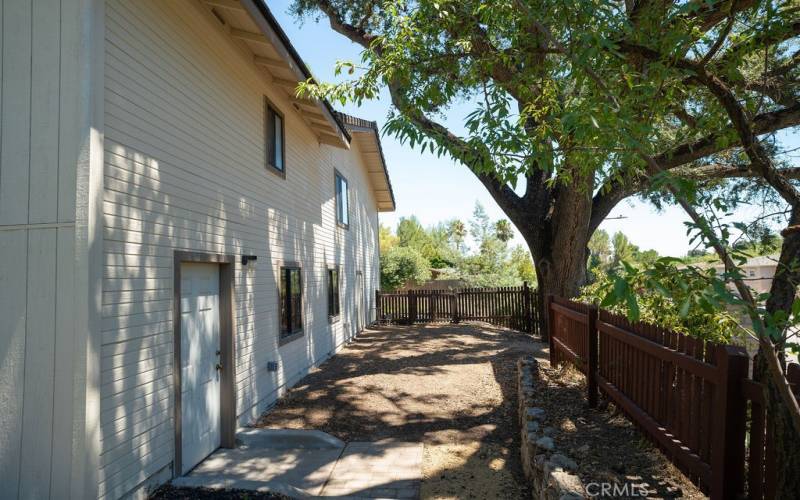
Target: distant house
x,y
182,238
758,272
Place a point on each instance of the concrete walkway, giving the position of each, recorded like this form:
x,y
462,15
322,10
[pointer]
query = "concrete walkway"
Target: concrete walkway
x,y
309,463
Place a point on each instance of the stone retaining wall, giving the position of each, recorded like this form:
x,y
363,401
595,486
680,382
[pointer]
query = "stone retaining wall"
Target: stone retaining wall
x,y
549,470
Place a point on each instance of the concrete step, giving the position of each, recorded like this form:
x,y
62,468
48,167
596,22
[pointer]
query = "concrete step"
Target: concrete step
x,y
311,463
287,439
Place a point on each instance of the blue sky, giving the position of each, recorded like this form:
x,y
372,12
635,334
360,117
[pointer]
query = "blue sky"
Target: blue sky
x,y
437,189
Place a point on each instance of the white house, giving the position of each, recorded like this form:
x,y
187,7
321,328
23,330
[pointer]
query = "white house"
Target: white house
x,y
182,237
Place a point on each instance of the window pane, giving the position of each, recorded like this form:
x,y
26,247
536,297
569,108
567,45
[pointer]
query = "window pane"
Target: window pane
x,y
333,292
345,208
278,141
338,187
331,311
336,290
270,136
284,303
341,200
295,302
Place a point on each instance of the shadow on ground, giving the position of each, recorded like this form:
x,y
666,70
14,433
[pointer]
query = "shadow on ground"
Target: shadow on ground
x,y
451,387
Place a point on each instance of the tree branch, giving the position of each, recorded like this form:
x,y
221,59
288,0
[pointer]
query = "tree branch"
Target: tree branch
x,y
722,171
355,34
614,191
760,160
764,123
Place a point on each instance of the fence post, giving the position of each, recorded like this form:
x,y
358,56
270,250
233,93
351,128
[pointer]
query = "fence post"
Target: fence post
x,y
454,306
728,441
591,363
550,329
378,307
412,307
528,311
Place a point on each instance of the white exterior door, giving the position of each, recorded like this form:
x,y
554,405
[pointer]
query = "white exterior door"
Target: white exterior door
x,y
200,358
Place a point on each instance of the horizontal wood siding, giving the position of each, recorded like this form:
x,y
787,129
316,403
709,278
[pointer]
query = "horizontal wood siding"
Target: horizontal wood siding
x,y
39,154
184,169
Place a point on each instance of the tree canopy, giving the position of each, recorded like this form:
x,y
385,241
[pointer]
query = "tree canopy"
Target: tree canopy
x,y
444,248
580,104
573,97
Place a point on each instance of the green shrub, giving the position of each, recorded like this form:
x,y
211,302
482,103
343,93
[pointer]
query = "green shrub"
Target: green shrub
x,y
683,299
401,266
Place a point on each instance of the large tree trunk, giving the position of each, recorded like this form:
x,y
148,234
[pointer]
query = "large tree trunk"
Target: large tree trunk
x,y
559,246
782,432
561,266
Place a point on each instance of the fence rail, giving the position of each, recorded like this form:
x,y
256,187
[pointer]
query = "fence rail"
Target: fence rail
x,y
511,307
689,396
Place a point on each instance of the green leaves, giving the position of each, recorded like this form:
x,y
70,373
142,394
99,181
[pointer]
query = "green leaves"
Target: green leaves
x,y
668,293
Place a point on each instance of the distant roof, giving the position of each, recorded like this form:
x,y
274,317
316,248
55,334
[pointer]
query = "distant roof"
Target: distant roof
x,y
760,260
367,134
763,260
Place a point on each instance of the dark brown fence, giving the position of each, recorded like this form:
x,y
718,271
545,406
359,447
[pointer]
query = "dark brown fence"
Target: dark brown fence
x,y
761,469
511,307
689,396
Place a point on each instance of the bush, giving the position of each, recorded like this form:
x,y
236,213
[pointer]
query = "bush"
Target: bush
x,y
665,294
401,266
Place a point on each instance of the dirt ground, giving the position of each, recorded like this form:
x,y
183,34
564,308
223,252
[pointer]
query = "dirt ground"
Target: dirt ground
x,y
452,387
168,492
607,446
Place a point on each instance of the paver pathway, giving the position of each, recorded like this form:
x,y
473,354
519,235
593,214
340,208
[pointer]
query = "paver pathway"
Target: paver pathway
x,y
377,470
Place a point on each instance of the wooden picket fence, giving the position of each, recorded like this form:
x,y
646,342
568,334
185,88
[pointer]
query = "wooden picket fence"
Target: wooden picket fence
x,y
510,307
694,399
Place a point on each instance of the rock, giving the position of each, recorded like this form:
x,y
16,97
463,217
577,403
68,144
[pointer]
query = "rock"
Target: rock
x,y
545,443
564,462
534,413
567,485
533,426
549,431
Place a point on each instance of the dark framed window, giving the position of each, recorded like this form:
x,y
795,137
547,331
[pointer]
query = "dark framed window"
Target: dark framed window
x,y
342,201
274,139
291,296
333,293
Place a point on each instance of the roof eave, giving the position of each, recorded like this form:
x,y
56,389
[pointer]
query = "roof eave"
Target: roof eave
x,y
361,126
271,29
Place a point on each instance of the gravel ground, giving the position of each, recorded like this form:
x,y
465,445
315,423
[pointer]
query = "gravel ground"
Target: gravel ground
x,y
452,387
